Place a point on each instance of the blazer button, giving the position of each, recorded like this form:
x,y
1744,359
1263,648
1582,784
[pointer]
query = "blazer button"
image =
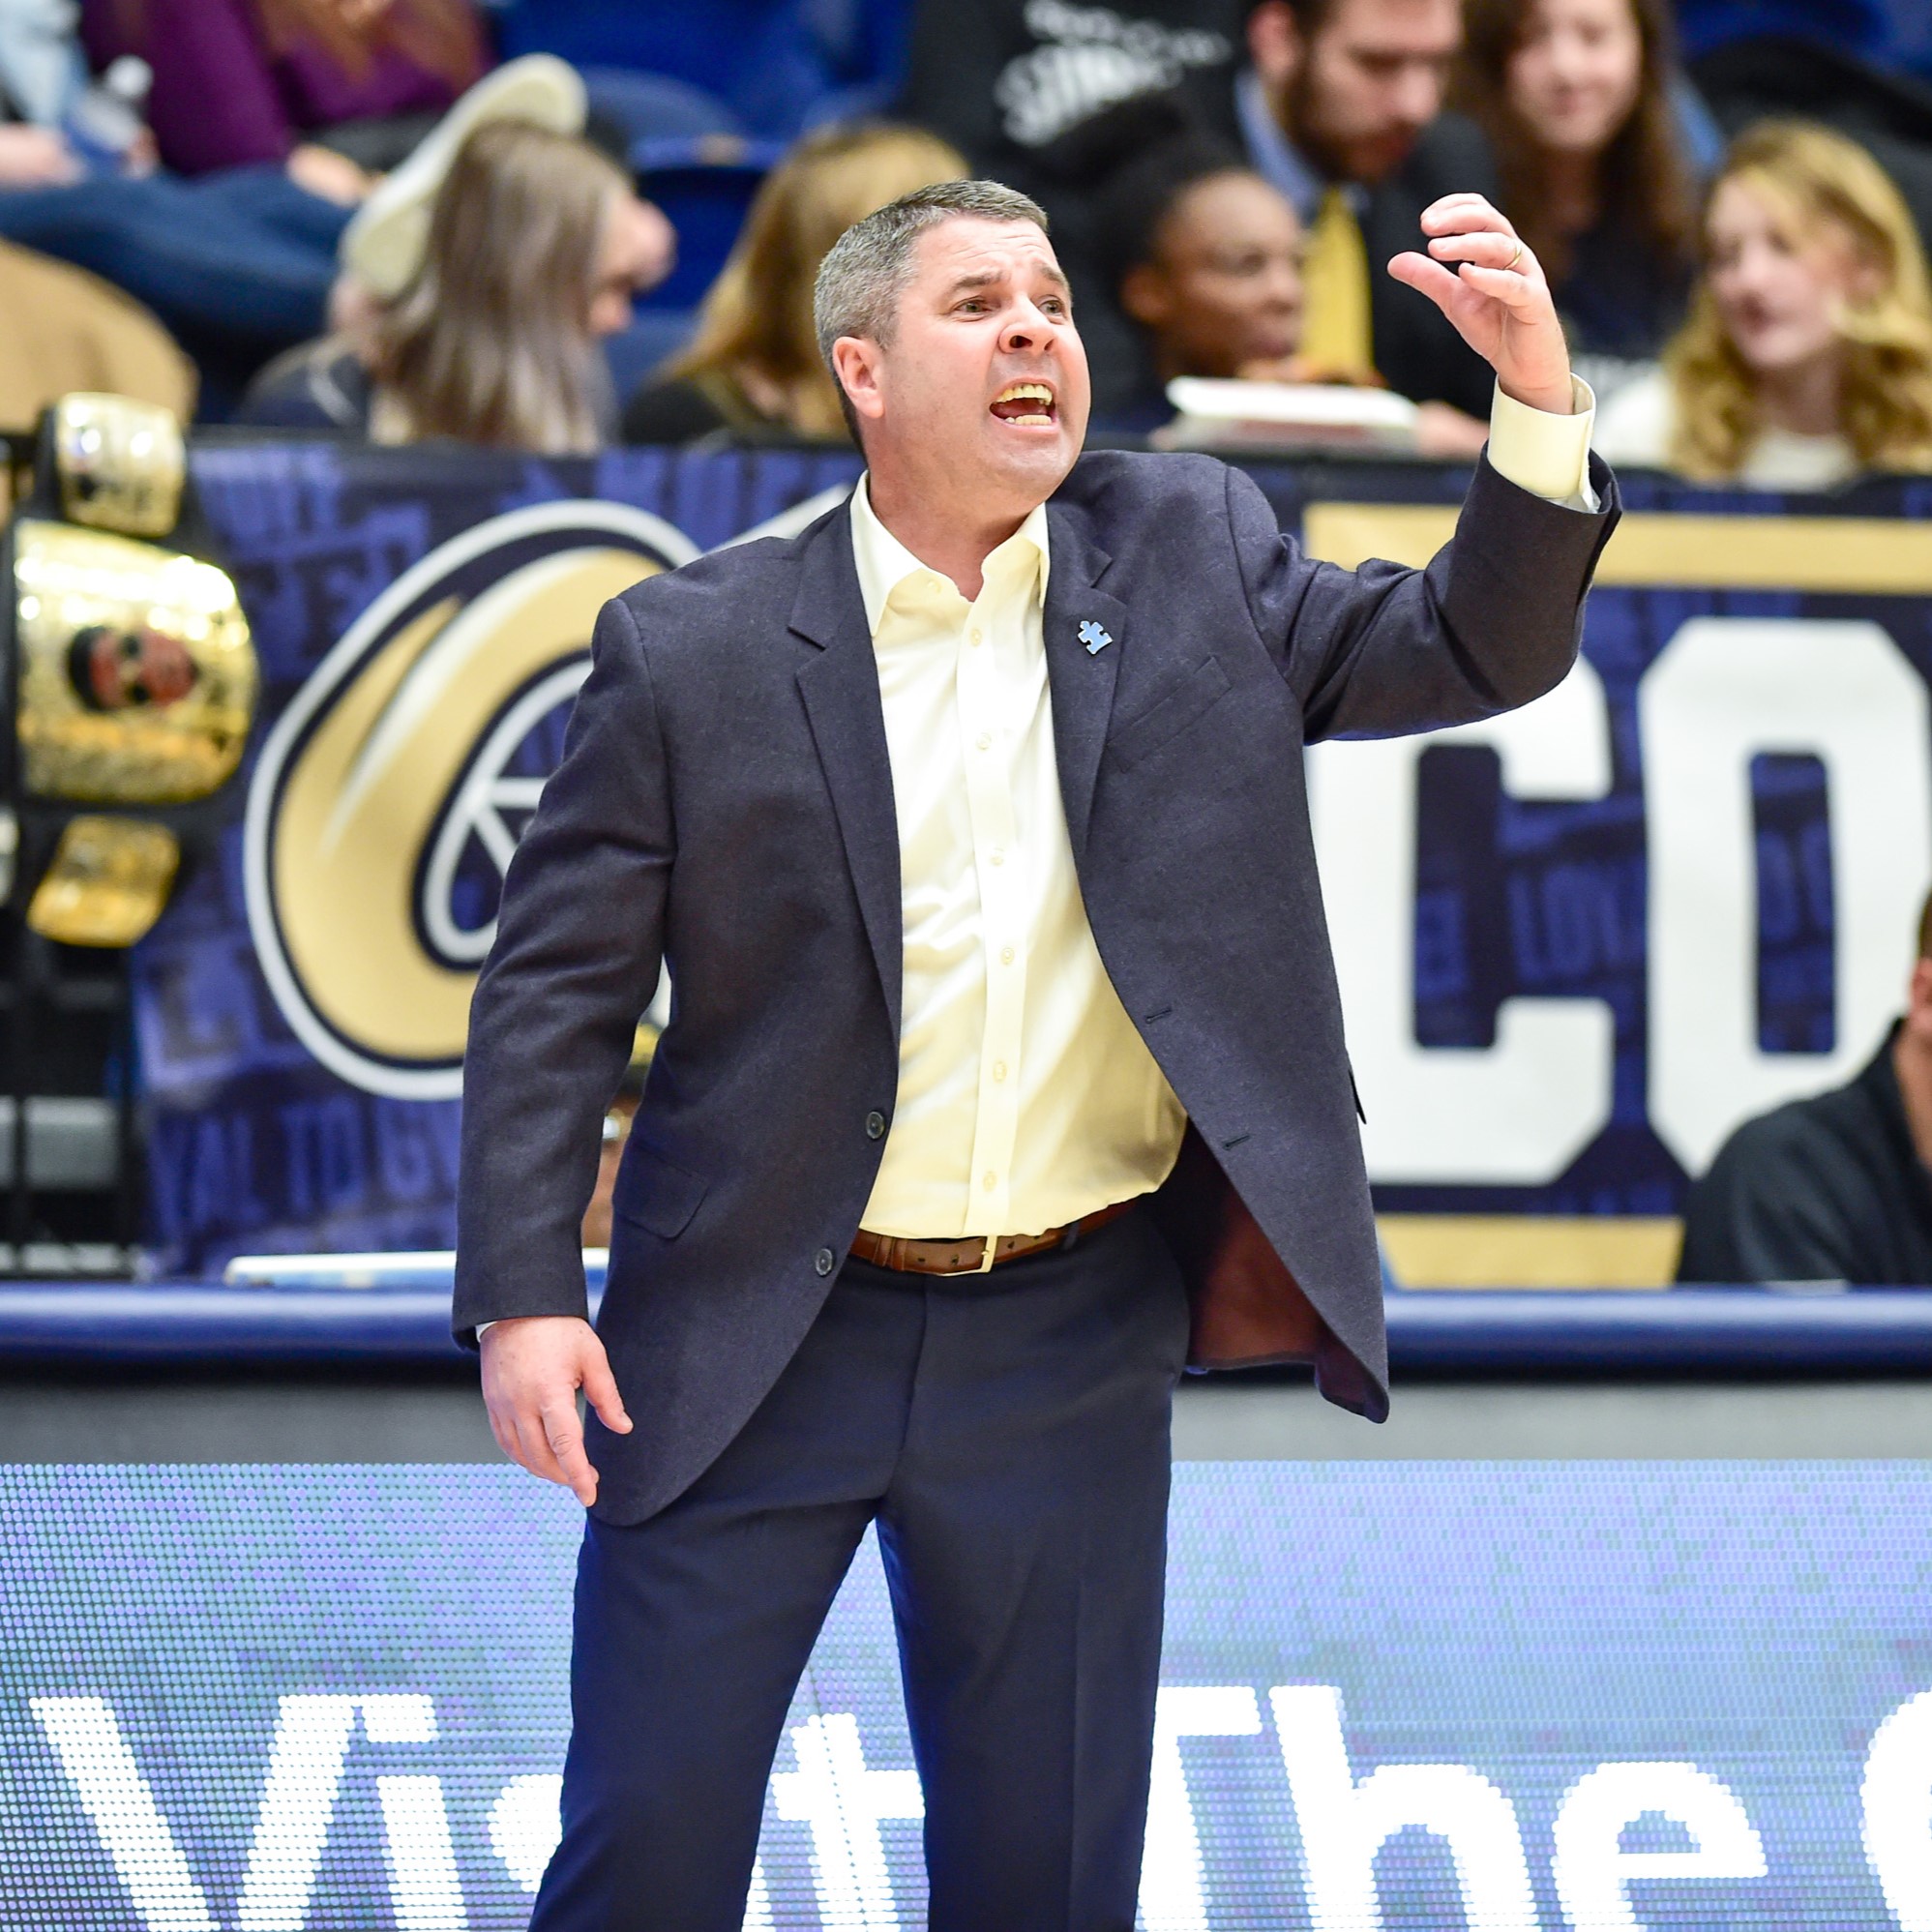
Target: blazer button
x,y
826,1260
874,1126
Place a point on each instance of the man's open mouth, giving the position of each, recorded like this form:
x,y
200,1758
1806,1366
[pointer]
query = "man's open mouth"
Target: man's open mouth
x,y
1026,403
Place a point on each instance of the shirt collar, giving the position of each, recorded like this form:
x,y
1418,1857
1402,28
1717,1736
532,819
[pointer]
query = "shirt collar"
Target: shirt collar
x,y
885,563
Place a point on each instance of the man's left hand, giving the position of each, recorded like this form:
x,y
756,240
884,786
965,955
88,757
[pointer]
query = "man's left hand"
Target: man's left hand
x,y
1496,295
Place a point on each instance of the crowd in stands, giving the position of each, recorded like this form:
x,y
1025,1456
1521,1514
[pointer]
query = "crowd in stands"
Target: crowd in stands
x,y
406,218
403,220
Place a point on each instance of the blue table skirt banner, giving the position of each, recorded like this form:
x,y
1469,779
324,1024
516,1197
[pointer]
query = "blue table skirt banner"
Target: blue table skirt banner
x,y
1519,1697
1577,946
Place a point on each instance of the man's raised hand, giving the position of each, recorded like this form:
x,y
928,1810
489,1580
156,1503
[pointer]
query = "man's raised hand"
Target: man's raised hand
x,y
533,1366
1490,286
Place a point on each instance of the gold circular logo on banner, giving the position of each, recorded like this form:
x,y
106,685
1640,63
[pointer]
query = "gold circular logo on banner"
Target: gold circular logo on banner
x,y
391,761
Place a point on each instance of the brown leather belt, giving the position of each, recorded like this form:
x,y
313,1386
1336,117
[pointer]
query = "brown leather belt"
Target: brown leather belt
x,y
969,1255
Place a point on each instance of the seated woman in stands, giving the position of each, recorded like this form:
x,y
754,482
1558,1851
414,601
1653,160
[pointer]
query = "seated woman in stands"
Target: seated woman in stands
x,y
1205,256
753,370
536,246
1589,118
1807,356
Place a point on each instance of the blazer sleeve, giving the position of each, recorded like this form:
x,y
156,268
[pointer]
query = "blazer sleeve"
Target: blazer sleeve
x,y
1494,621
580,941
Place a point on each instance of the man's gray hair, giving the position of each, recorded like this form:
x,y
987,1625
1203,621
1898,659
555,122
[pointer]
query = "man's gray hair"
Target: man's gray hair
x,y
865,270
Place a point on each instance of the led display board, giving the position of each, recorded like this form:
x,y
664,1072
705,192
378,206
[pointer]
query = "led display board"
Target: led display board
x,y
1522,1697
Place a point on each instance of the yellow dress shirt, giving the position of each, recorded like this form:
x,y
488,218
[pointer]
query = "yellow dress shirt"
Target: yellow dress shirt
x,y
1026,1096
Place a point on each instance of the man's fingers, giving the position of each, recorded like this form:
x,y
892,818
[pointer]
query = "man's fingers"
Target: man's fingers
x,y
563,1434
1513,290
532,1368
599,1390
1486,249
533,1448
1463,211
1440,284
505,1440
1461,292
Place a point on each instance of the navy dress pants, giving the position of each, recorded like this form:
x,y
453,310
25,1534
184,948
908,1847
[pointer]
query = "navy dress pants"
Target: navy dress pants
x,y
1009,1433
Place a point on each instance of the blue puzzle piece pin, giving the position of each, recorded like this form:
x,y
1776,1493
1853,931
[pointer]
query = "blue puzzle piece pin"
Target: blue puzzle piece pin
x,y
1094,636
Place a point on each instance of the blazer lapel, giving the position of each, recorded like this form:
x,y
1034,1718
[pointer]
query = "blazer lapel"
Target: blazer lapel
x,y
839,683
1081,680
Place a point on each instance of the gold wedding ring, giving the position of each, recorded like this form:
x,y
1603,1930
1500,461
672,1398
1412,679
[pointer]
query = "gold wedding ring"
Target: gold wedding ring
x,y
1515,258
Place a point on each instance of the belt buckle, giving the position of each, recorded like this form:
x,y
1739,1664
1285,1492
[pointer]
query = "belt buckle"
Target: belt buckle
x,y
984,1265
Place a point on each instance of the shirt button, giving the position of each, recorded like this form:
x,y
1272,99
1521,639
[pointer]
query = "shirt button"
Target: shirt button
x,y
985,741
1006,956
998,857
989,1181
999,1069
824,1261
874,1126
974,635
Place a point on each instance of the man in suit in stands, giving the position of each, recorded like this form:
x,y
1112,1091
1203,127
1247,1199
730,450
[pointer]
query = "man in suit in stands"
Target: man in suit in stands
x,y
1837,1186
1341,109
1004,1075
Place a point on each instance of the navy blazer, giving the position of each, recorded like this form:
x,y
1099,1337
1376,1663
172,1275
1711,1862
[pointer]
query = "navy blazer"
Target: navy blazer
x,y
725,804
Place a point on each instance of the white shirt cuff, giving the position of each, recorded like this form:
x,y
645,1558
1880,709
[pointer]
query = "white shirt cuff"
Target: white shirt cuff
x,y
483,1328
1546,455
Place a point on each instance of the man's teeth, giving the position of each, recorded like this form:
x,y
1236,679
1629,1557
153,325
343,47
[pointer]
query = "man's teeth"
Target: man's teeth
x,y
1028,392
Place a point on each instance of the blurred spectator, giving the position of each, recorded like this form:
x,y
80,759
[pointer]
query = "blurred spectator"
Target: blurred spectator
x,y
252,82
65,330
1577,99
382,247
1773,64
1808,352
1014,83
239,265
1041,95
1835,1188
754,368
236,265
1209,266
536,246
1342,110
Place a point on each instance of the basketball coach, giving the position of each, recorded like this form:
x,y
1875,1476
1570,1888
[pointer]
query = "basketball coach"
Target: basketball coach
x,y
1004,1075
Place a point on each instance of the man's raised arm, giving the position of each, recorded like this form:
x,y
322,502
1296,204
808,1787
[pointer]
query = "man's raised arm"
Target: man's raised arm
x,y
1493,620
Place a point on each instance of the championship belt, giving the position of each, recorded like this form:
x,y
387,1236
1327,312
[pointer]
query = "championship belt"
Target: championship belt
x,y
134,677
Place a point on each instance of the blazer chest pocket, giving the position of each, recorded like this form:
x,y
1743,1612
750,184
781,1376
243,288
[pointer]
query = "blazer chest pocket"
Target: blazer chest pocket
x,y
656,1194
1171,714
